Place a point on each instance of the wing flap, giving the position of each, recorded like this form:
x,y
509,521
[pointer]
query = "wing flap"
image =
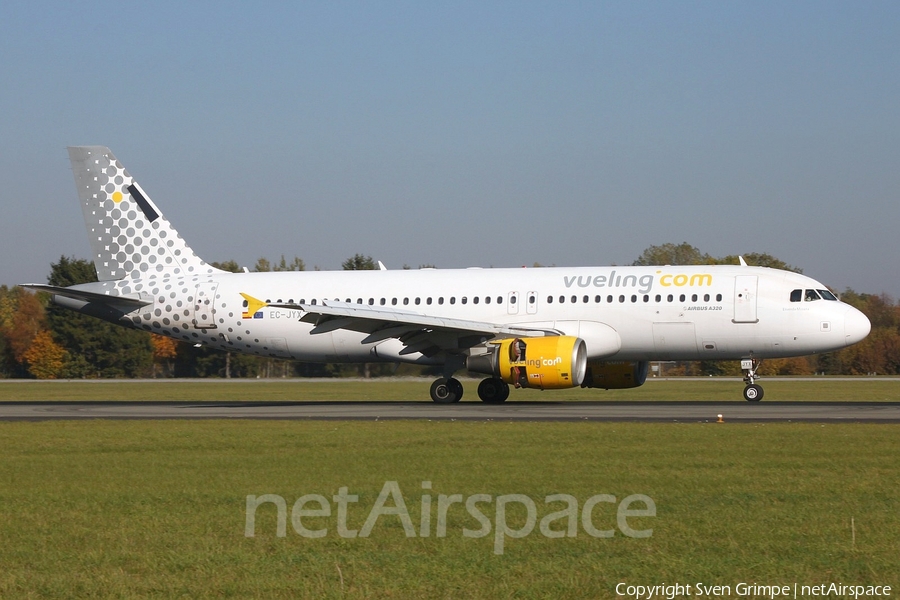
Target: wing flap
x,y
416,331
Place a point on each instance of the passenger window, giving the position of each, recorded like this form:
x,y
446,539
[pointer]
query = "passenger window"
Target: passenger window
x,y
718,297
475,300
382,302
440,300
405,301
393,301
562,299
574,299
464,300
670,298
646,298
598,299
487,299
609,299
658,298
681,298
796,295
452,299
706,297
549,299
633,298
428,301
621,298
693,297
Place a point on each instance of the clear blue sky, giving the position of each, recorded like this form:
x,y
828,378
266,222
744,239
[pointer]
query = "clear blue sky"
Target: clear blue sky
x,y
464,134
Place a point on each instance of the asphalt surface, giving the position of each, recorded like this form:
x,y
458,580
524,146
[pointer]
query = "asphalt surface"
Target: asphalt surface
x,y
863,412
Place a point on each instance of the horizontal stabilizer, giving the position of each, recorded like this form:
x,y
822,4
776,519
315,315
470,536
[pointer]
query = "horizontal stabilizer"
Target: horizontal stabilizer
x,y
131,301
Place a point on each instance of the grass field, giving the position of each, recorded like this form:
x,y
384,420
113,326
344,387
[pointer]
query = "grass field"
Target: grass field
x,y
868,389
122,509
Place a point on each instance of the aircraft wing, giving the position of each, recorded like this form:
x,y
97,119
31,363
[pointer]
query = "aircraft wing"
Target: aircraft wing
x,y
418,332
131,302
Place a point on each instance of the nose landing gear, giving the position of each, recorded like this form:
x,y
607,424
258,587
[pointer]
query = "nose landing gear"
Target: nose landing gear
x,y
752,392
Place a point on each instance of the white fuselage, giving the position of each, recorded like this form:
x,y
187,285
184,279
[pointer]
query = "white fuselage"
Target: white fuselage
x,y
659,313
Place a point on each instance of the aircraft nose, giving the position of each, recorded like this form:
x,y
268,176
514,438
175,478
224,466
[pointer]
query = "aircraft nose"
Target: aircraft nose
x,y
856,326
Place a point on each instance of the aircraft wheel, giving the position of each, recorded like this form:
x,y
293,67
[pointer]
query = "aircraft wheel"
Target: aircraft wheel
x,y
455,387
493,390
446,391
753,393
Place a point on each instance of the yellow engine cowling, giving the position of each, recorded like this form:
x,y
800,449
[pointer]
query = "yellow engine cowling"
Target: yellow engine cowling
x,y
547,363
612,375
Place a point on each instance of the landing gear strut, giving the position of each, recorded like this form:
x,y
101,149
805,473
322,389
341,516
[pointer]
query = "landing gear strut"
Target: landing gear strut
x,y
752,392
446,390
493,390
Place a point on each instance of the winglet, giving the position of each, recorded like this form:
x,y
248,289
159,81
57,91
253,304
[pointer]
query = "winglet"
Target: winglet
x,y
253,306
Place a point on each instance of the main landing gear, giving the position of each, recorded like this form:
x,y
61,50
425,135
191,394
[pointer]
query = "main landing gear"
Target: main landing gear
x,y
493,390
752,392
447,390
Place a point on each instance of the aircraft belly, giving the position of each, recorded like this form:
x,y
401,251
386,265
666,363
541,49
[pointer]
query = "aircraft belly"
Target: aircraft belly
x,y
675,340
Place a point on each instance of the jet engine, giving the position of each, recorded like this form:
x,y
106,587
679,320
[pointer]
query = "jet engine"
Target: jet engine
x,y
616,375
547,363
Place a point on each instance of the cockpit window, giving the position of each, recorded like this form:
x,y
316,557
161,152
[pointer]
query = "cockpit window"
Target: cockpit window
x,y
811,295
796,295
827,295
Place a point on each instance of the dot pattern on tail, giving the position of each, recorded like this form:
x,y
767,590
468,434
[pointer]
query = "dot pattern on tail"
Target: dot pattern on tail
x,y
130,238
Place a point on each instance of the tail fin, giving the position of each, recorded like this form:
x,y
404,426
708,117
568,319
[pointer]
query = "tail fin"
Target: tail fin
x,y
130,238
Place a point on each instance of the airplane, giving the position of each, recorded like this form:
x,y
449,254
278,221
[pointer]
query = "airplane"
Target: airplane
x,y
539,328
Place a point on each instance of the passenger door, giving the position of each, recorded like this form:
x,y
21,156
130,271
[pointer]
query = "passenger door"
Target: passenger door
x,y
745,299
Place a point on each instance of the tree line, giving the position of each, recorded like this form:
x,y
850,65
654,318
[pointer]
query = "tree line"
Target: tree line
x,y
43,341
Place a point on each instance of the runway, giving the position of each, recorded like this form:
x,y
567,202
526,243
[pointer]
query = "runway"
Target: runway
x,y
673,412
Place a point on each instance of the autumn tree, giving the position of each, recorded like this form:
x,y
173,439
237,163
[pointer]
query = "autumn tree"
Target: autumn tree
x,y
45,358
165,349
22,317
28,319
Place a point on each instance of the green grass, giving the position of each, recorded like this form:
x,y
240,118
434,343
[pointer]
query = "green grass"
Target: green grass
x,y
703,389
121,509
